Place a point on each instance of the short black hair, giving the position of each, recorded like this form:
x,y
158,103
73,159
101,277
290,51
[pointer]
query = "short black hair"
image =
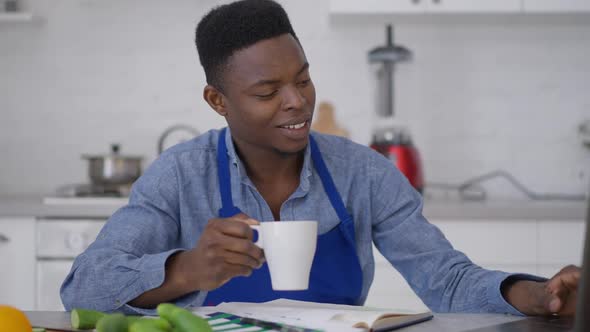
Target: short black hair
x,y
235,26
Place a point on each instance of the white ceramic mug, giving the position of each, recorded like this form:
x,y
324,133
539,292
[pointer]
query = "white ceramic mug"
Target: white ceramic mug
x,y
289,248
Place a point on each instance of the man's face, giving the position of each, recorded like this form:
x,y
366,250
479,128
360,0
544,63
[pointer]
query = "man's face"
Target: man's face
x,y
269,95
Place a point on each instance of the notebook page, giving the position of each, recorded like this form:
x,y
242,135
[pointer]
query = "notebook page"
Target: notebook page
x,y
315,318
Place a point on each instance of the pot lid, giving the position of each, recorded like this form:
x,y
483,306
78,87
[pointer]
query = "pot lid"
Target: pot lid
x,y
115,148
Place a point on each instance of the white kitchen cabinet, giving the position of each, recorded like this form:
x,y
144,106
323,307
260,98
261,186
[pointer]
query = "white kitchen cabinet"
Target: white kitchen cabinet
x,y
424,6
472,6
376,6
561,242
518,246
493,241
17,262
50,276
555,6
59,241
390,289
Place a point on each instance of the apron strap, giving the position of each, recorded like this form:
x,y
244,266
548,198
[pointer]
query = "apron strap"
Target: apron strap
x,y
223,175
328,183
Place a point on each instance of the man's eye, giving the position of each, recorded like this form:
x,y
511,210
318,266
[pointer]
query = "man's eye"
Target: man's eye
x,y
304,82
268,95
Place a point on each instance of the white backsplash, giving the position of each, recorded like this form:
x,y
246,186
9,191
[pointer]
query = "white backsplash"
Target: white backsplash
x,y
477,96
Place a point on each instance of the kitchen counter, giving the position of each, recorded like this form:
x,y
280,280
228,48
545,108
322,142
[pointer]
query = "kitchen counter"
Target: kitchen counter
x,y
440,322
34,206
505,209
434,209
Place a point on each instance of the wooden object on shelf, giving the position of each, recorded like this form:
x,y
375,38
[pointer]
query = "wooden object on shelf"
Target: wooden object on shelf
x,y
325,121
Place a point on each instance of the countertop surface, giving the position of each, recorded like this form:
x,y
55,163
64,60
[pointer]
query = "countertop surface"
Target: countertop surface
x,y
440,322
434,209
51,207
40,207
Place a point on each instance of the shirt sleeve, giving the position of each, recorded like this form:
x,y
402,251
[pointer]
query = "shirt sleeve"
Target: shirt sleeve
x,y
444,278
129,255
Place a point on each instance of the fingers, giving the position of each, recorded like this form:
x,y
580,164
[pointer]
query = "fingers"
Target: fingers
x,y
235,236
553,304
568,277
234,226
246,247
235,258
245,219
562,291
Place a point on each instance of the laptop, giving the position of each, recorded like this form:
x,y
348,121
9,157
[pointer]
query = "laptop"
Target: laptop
x,y
579,323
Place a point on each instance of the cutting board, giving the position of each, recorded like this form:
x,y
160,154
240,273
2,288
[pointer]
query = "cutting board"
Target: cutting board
x,y
325,121
51,320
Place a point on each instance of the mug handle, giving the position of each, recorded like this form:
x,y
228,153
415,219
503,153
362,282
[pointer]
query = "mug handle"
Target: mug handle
x,y
257,239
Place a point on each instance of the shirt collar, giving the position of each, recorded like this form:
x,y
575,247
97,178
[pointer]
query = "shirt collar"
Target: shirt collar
x,y
306,170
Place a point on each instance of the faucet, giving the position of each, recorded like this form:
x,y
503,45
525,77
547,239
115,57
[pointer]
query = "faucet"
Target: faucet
x,y
169,130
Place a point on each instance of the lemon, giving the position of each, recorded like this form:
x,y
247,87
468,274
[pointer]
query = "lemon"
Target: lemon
x,y
13,320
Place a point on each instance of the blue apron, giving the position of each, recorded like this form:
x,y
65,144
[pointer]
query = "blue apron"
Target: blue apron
x,y
336,275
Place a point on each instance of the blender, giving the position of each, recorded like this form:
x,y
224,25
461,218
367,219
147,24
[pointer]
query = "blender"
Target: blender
x,y
390,139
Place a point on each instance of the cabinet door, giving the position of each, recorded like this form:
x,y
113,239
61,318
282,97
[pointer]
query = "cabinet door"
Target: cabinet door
x,y
474,6
377,6
390,289
561,242
551,6
50,276
493,242
17,262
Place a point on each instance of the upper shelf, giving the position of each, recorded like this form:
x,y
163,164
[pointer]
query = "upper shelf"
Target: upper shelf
x,y
18,17
404,7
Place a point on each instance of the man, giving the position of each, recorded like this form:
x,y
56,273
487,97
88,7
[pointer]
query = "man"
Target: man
x,y
185,235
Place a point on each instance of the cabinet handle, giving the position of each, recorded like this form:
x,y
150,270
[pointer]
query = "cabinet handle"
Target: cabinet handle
x,y
4,238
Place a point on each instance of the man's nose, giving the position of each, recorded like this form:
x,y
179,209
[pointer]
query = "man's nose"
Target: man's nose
x,y
293,99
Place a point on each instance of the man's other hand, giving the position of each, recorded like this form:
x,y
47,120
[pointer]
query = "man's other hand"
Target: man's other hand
x,y
555,296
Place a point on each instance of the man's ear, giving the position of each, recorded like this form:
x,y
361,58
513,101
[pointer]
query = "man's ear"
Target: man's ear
x,y
215,99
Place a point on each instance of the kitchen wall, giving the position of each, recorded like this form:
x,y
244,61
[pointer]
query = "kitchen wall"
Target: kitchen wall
x,y
480,94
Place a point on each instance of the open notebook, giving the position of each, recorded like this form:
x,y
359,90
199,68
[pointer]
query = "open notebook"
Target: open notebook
x,y
309,316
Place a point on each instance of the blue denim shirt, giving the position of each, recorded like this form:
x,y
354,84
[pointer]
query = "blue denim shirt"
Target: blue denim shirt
x,y
172,202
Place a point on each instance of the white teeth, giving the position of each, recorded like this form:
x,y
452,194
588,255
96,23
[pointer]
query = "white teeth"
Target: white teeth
x,y
296,126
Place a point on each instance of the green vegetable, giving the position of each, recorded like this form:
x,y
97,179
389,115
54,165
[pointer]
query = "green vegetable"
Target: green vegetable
x,y
133,319
159,323
150,325
112,323
84,319
182,319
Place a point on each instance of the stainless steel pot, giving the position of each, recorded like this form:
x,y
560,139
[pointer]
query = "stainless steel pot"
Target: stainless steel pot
x,y
113,169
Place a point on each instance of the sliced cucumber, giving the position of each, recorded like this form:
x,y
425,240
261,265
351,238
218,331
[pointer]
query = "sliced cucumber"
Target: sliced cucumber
x,y
85,319
150,325
182,319
112,323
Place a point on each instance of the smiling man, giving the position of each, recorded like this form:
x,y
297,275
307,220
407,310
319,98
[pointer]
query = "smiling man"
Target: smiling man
x,y
185,235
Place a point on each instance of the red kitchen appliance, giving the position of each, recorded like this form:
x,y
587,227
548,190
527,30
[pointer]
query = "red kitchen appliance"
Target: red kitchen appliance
x,y
393,141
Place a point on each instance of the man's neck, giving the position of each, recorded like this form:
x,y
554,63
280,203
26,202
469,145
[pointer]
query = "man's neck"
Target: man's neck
x,y
266,166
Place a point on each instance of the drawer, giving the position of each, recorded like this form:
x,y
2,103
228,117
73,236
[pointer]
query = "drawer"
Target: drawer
x,y
50,276
390,289
493,242
561,242
388,280
65,238
398,303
